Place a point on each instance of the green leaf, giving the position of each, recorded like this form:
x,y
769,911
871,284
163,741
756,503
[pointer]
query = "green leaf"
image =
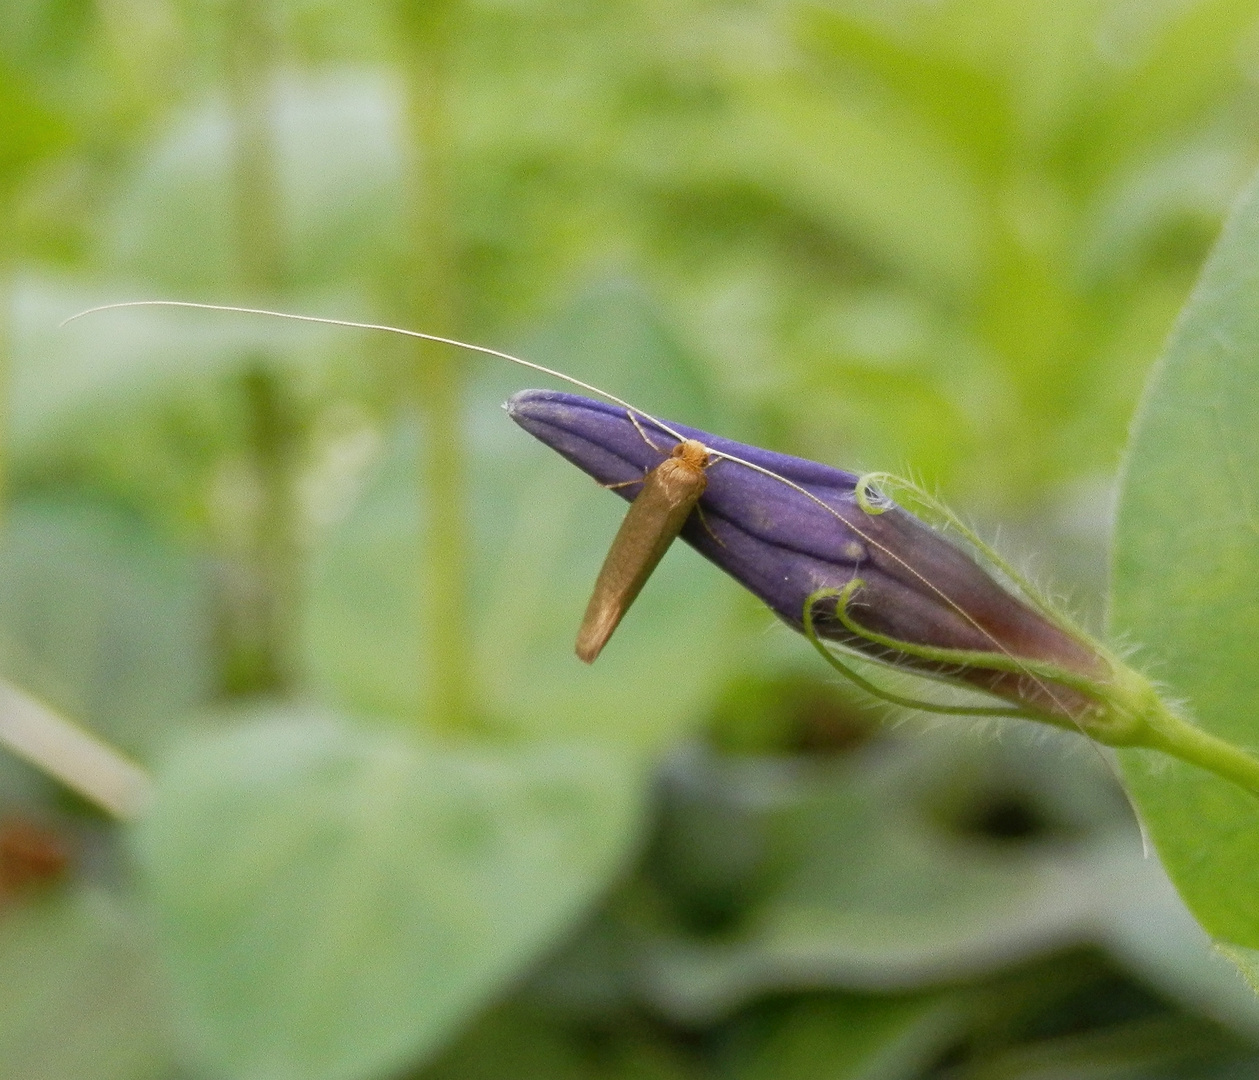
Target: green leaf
x,y
333,902
867,166
76,998
879,873
1184,62
1186,564
28,129
525,1041
964,102
1247,962
846,1037
102,616
338,173
70,385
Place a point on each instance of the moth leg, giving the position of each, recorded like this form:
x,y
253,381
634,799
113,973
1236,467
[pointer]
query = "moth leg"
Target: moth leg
x,y
623,483
634,421
699,510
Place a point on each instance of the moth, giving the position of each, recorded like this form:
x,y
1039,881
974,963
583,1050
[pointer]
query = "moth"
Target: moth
x,y
669,494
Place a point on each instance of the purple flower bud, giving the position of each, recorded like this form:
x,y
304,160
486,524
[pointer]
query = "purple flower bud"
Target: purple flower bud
x,y
779,543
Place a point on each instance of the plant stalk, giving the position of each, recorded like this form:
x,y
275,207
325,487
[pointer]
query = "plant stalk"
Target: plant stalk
x,y
429,297
77,758
1175,736
6,373
259,613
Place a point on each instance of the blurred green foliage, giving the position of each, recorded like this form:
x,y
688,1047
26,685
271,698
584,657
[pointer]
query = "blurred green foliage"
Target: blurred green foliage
x,y
327,593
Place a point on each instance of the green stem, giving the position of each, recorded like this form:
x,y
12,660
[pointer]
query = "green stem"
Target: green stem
x,y
1133,714
260,613
274,440
1175,736
249,49
6,378
430,299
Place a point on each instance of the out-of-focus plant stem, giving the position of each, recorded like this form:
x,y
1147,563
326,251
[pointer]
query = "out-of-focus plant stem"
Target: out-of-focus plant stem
x,y
428,297
6,379
260,613
82,762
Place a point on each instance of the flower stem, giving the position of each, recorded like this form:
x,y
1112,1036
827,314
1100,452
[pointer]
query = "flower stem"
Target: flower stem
x,y
1175,736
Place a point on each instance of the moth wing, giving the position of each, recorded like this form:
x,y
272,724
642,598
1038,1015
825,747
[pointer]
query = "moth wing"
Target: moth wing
x,y
655,517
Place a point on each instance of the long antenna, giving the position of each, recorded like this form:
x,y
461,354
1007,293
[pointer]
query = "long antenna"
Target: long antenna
x,y
483,349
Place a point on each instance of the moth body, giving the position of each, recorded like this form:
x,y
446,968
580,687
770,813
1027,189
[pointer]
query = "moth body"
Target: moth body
x,y
655,517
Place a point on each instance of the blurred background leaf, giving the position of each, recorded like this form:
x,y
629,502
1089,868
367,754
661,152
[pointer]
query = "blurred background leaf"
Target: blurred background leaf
x,y
78,993
400,884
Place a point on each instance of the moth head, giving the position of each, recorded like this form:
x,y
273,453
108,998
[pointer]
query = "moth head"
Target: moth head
x,y
692,452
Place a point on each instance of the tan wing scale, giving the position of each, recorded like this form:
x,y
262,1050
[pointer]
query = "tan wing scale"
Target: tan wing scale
x,y
655,517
